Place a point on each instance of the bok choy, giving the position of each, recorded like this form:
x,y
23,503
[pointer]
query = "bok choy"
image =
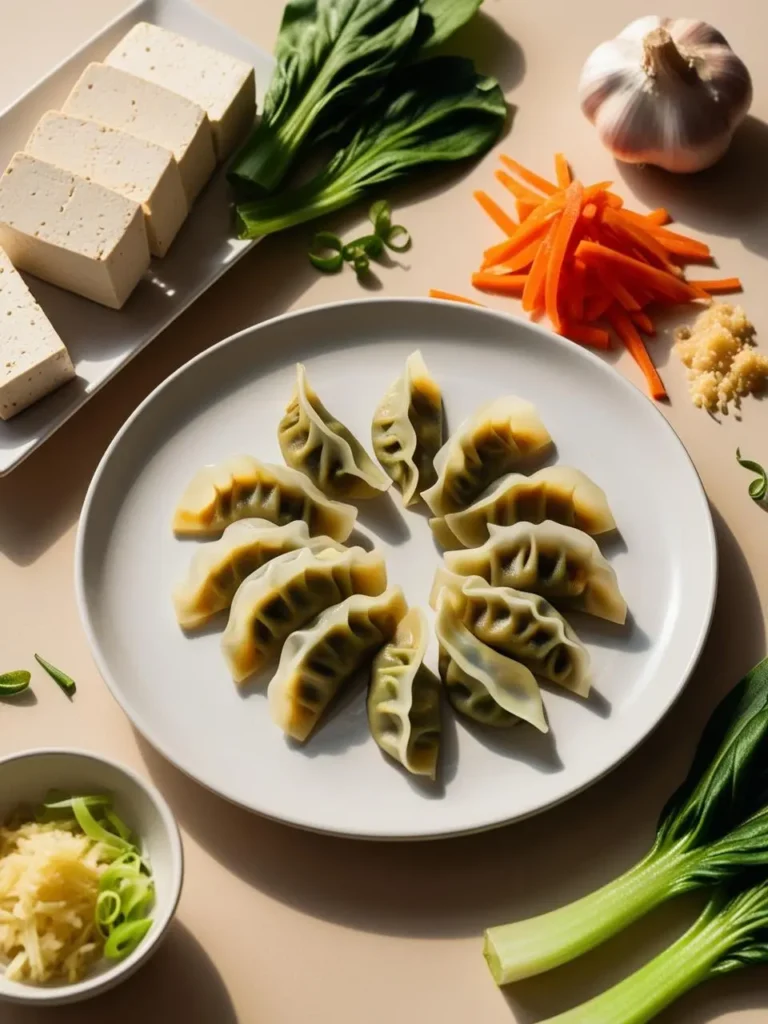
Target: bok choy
x,y
713,829
433,112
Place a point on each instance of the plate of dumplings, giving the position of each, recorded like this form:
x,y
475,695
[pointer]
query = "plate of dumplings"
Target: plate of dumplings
x,y
396,568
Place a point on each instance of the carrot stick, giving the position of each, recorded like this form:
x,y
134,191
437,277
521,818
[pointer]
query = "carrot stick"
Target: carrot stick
x,y
724,284
495,212
595,337
643,322
627,331
522,259
659,281
501,284
436,293
614,201
596,305
597,190
618,220
620,293
679,245
589,212
562,171
533,293
577,289
535,226
658,216
530,176
518,191
562,237
524,210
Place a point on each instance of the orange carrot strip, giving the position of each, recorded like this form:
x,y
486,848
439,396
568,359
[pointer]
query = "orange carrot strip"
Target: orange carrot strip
x,y
520,260
535,226
658,216
562,171
596,305
578,282
571,211
620,293
589,212
642,321
524,210
533,294
680,245
595,337
627,331
618,220
659,281
437,293
724,284
596,190
518,191
530,176
502,284
614,201
495,212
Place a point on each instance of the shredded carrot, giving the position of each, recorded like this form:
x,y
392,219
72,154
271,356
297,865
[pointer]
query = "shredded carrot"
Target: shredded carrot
x,y
627,332
520,260
562,171
577,286
659,216
437,293
596,306
533,293
529,176
618,291
502,284
524,210
495,212
535,226
642,321
561,240
618,220
518,191
679,245
589,212
724,284
595,337
659,281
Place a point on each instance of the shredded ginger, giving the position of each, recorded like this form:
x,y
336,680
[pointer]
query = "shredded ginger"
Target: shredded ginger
x,y
723,364
49,883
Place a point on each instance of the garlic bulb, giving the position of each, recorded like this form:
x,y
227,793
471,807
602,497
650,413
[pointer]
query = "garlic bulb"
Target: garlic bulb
x,y
666,91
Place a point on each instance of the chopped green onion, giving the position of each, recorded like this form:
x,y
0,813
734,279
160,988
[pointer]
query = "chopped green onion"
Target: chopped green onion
x,y
127,865
118,825
136,896
125,938
65,682
12,683
107,908
398,231
380,216
54,803
93,829
326,252
758,488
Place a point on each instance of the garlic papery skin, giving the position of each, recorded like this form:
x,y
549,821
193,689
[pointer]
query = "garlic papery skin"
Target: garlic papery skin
x,y
666,91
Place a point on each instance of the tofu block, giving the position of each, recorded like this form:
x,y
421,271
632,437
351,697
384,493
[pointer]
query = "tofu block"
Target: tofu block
x,y
72,232
121,100
33,359
223,86
133,167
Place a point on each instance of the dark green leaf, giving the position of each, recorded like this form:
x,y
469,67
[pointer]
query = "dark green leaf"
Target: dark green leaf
x,y
12,683
441,18
727,780
434,112
744,921
65,682
758,488
332,56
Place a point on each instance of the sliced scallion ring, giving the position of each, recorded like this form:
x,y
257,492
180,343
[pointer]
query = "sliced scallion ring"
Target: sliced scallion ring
x,y
93,829
380,216
125,938
325,253
397,231
108,908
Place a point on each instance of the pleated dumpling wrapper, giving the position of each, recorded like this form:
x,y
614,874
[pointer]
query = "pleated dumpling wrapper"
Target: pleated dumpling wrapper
x,y
404,698
314,442
486,686
242,487
316,662
559,562
287,593
407,429
217,569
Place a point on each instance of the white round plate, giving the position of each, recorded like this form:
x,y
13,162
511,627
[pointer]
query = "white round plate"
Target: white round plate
x,y
176,688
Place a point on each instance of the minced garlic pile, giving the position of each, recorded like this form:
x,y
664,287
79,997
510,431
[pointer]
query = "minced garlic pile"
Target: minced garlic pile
x,y
719,352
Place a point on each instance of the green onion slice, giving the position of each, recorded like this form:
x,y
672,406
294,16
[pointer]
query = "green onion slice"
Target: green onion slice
x,y
125,938
758,488
118,825
93,829
65,682
108,906
380,216
397,231
12,683
326,252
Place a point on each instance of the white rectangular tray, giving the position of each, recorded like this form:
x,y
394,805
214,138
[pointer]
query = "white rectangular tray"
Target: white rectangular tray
x,y
101,341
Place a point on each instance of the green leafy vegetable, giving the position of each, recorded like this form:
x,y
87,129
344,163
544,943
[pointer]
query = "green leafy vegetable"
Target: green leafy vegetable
x,y
713,828
65,682
12,683
326,252
434,112
758,488
731,933
331,55
441,18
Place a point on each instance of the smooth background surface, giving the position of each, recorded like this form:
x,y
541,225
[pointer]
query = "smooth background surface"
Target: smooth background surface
x,y
276,926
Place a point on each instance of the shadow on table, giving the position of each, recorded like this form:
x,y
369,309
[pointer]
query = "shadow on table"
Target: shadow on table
x,y
179,983
457,887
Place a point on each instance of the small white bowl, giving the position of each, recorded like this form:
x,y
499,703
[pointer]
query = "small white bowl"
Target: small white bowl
x,y
26,778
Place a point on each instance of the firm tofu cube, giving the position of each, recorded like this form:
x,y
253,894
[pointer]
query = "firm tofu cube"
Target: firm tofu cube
x,y
33,359
72,232
137,169
222,85
120,100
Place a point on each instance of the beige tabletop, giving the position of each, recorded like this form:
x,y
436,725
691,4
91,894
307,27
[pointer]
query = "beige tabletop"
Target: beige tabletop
x,y
276,926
